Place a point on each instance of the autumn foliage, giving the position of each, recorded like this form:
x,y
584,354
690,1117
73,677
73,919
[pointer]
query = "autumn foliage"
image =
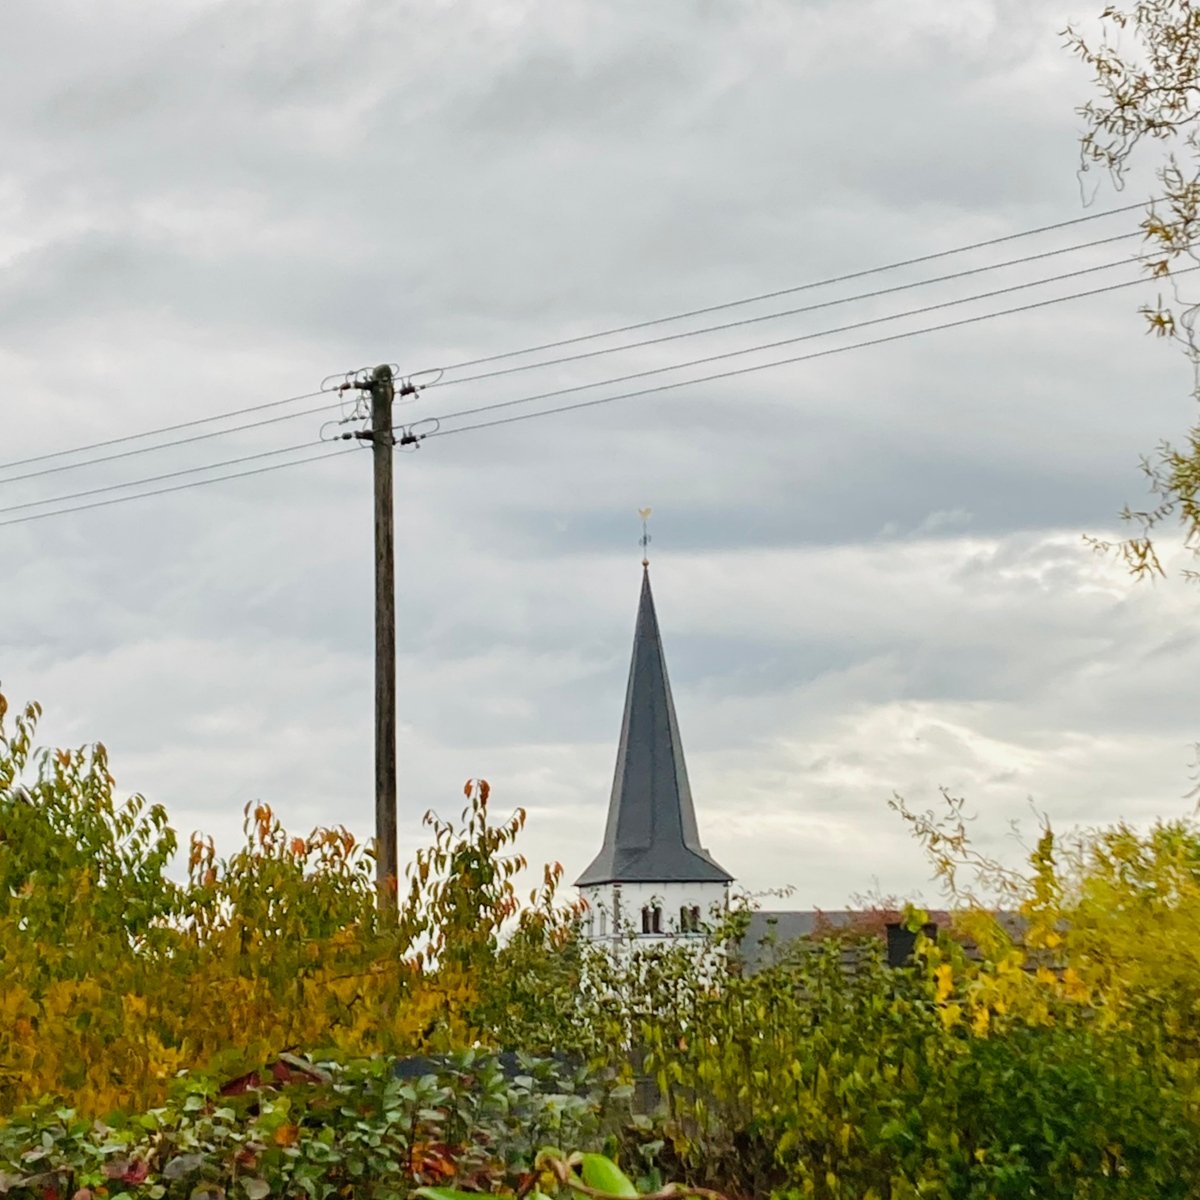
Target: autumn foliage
x,y
237,1027
1045,1044
116,977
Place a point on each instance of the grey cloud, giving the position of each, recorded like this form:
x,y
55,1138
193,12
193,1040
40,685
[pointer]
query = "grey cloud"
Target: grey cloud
x,y
209,207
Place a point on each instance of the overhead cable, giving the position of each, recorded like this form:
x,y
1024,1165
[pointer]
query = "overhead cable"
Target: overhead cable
x,y
129,437
562,342
787,312
601,400
196,437
215,433
179,487
790,341
115,487
782,362
801,287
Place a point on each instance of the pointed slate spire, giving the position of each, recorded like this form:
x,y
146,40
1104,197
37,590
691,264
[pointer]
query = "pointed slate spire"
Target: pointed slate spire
x,y
651,835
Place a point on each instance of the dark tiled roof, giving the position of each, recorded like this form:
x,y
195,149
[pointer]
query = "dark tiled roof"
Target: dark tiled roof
x,y
784,927
651,835
770,936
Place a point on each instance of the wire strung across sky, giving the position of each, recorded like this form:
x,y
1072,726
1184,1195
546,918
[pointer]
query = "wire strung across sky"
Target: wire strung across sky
x,y
196,437
782,362
576,340
114,487
800,287
787,312
129,437
179,487
790,341
511,418
612,380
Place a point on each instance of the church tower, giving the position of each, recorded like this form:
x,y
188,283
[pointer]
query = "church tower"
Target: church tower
x,y
652,878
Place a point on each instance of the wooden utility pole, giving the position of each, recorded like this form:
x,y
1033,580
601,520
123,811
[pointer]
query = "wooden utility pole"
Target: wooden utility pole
x,y
382,388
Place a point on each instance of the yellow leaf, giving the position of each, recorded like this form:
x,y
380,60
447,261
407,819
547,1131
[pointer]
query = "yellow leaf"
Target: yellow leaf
x,y
286,1135
944,975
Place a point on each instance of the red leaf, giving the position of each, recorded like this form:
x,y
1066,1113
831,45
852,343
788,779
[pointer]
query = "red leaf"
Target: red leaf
x,y
137,1172
241,1085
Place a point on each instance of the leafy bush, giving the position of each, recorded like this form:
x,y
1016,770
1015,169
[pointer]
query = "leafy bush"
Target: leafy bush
x,y
115,978
362,1131
1054,1053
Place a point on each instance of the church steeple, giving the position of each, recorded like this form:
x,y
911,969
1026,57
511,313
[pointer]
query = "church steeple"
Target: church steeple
x,y
651,835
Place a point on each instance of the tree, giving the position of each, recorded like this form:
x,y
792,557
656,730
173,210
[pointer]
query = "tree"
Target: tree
x,y
114,977
1146,70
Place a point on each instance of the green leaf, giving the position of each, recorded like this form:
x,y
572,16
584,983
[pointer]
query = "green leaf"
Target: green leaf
x,y
256,1189
182,1165
605,1176
444,1193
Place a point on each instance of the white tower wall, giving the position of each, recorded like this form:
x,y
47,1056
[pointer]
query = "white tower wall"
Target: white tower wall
x,y
651,912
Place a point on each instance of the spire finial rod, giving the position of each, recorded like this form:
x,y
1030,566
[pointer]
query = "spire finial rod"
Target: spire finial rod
x,y
644,541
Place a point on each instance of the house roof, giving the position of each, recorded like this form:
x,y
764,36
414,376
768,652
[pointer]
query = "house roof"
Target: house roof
x,y
771,936
651,834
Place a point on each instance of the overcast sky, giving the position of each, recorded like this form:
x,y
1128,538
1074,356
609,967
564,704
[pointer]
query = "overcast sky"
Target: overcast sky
x,y
868,567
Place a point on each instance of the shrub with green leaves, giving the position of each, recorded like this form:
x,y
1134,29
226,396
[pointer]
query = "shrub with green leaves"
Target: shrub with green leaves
x,y
1063,1064
363,1130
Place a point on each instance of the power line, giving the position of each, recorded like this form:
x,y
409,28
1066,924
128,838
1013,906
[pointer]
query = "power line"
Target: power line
x,y
197,437
802,287
115,487
787,312
803,337
177,487
129,437
782,362
664,387
71,466
177,426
